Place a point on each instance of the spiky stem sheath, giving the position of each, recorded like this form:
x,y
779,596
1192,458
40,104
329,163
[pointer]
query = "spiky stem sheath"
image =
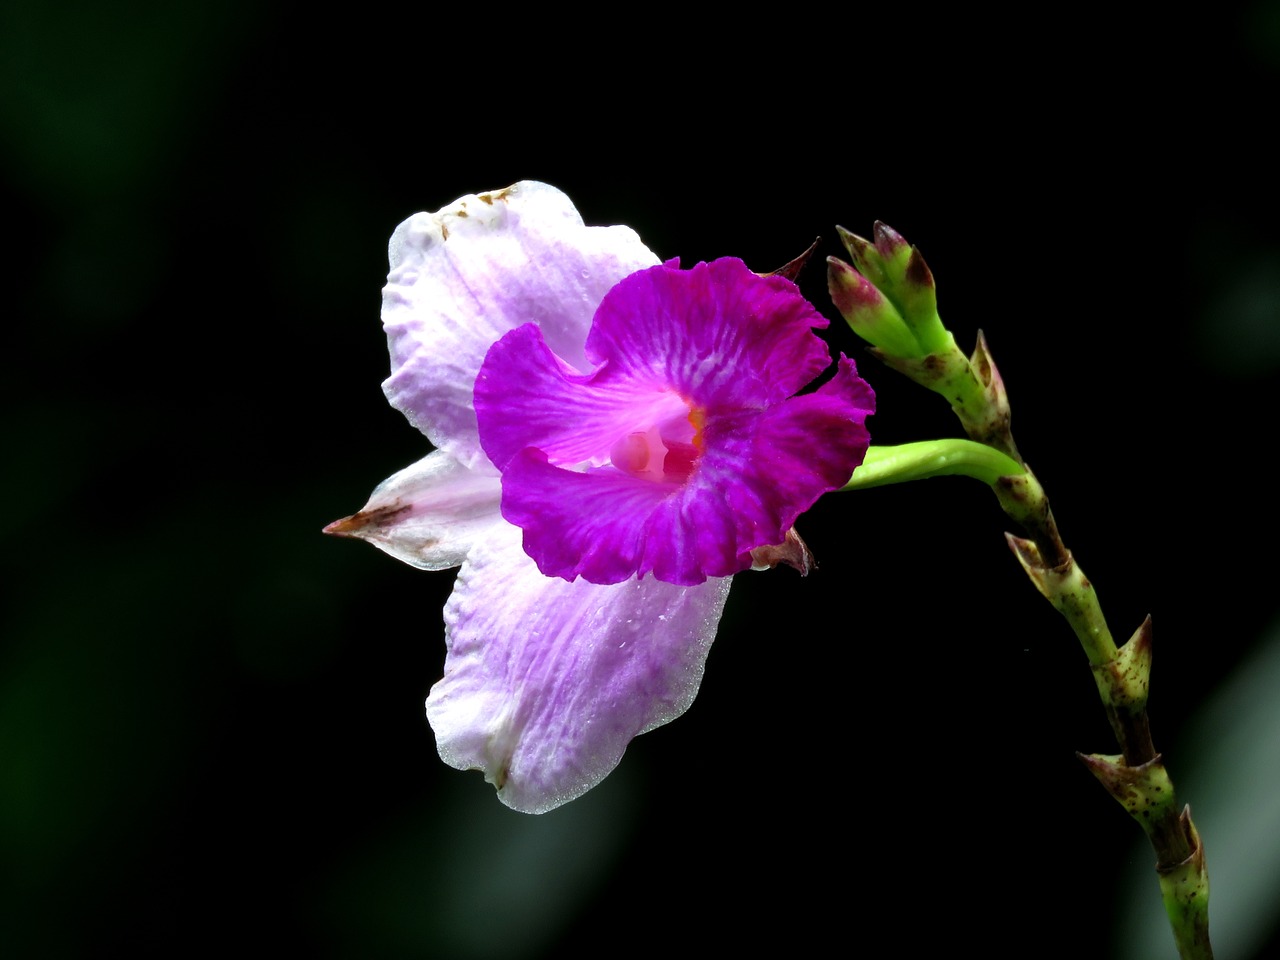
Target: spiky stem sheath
x,y
888,297
1136,777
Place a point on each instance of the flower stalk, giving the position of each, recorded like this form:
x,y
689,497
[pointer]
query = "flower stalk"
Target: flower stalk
x,y
931,458
890,301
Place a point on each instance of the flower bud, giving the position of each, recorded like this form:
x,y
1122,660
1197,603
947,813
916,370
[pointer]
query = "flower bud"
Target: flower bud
x,y
898,272
867,312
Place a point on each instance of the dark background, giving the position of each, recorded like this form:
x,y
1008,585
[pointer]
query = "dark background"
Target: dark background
x,y
211,727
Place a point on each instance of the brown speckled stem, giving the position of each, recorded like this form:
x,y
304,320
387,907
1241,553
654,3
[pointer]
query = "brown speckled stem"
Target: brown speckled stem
x,y
1136,777
890,300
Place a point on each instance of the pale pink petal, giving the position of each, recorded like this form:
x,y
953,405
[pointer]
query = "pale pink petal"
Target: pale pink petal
x,y
547,681
429,514
462,277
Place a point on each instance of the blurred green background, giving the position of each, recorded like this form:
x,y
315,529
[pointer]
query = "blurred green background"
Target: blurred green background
x,y
211,727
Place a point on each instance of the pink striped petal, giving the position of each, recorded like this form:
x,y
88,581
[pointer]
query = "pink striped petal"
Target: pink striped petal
x,y
529,397
717,333
547,681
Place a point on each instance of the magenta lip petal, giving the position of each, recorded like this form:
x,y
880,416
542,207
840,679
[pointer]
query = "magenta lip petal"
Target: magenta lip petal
x,y
718,333
759,472
592,525
547,681
717,341
786,457
526,396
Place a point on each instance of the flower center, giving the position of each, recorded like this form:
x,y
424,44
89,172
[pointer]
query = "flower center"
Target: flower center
x,y
665,452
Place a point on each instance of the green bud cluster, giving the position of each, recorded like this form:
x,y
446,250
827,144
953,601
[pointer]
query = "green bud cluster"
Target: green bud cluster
x,y
888,298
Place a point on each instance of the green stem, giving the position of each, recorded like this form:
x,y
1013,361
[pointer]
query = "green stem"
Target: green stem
x,y
1136,777
890,300
932,458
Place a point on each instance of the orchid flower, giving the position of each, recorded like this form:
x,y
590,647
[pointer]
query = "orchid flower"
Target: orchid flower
x,y
615,437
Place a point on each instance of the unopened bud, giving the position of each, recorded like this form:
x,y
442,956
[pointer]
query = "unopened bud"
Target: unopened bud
x,y
867,312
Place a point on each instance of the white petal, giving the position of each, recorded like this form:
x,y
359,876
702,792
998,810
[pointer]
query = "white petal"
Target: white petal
x,y
429,514
462,277
547,681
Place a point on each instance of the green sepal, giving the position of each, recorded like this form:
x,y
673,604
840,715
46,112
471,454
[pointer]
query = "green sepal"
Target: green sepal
x,y
1024,500
973,387
945,371
1147,793
1069,590
1125,681
1145,790
986,417
1185,889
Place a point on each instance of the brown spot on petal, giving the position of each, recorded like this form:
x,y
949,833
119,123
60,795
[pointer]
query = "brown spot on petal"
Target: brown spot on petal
x,y
357,523
488,198
463,214
444,232
793,551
